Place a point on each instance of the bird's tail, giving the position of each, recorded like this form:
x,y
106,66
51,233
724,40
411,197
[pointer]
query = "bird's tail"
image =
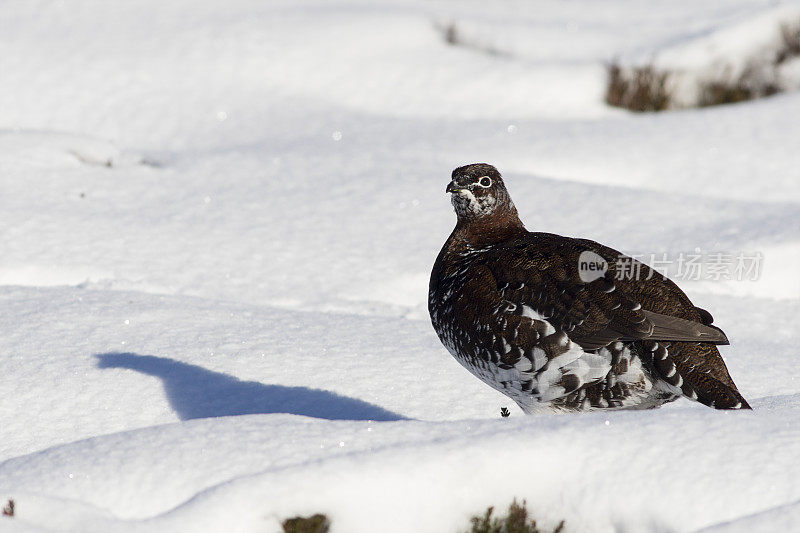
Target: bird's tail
x,y
720,396
699,371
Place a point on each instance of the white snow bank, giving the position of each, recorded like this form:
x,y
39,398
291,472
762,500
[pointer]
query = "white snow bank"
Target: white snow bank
x,y
245,473
246,281
201,361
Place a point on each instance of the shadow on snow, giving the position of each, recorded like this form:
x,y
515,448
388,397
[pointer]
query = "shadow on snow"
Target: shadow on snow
x,y
195,392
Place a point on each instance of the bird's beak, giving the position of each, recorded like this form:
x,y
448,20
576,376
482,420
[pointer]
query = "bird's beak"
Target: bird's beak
x,y
452,187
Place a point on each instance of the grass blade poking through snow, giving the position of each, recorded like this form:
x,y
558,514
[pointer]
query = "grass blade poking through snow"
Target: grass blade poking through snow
x,y
8,510
515,522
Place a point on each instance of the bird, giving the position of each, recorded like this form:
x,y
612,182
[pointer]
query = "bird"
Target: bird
x,y
549,321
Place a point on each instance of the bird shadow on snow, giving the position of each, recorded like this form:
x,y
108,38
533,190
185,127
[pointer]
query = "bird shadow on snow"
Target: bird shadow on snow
x,y
195,392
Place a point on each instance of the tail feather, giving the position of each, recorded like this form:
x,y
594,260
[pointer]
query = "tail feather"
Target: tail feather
x,y
719,396
698,370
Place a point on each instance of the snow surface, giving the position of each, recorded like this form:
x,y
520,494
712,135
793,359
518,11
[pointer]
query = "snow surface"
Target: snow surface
x,y
217,225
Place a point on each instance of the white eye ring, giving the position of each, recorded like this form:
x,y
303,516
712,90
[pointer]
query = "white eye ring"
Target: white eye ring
x,y
485,182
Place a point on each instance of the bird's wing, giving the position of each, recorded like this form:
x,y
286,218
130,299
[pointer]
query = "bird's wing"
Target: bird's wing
x,y
539,275
549,322
528,354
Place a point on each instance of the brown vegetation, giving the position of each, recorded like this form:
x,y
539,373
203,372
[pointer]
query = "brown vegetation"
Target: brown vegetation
x,y
516,521
8,510
317,523
641,89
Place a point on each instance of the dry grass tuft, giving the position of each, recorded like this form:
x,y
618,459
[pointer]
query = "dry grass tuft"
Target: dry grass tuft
x,y
317,523
640,89
752,83
8,510
516,521
451,34
454,37
790,43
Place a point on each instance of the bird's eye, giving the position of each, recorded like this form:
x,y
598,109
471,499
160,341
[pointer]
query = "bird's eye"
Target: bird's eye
x,y
485,182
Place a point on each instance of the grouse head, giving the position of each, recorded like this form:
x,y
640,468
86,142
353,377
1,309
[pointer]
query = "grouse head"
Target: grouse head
x,y
479,195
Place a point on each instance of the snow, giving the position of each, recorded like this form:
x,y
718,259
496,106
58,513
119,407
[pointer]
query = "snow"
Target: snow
x,y
217,225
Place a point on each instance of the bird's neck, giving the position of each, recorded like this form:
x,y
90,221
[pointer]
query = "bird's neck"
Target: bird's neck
x,y
487,230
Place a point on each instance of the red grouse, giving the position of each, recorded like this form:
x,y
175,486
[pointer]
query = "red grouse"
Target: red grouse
x,y
516,309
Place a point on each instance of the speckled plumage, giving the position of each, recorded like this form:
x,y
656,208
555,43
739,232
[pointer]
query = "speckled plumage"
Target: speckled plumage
x,y
511,306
